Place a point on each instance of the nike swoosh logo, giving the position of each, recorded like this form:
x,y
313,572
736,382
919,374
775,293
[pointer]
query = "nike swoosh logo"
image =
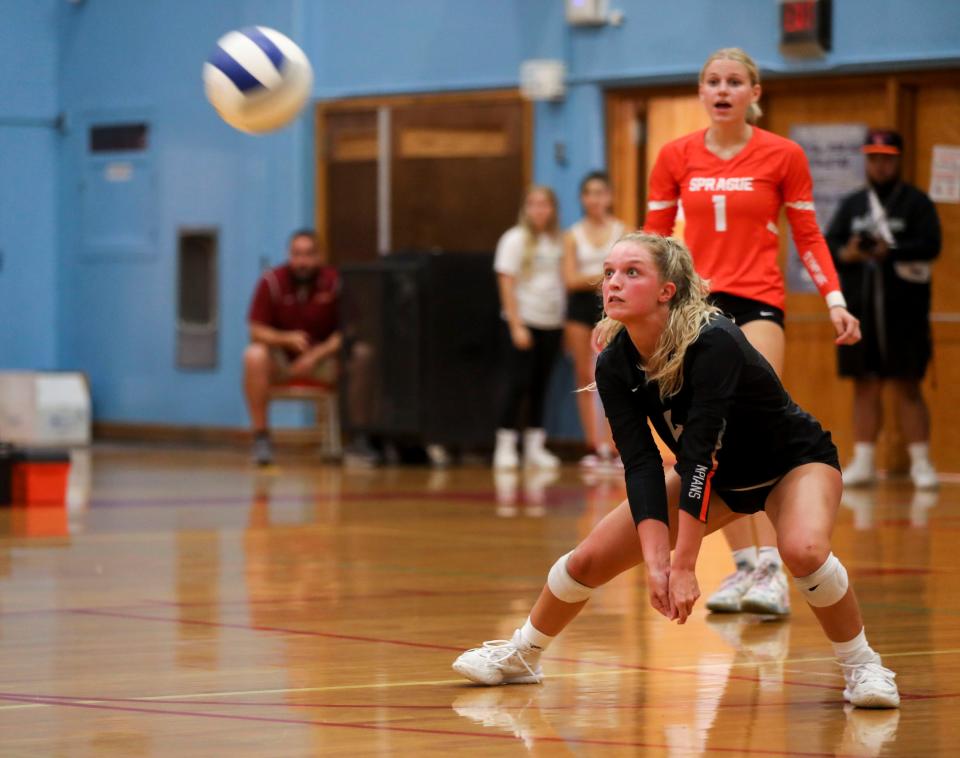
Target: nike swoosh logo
x,y
811,589
635,388
765,314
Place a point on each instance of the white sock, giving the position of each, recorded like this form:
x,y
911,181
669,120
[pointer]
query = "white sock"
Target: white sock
x,y
855,651
769,555
864,451
533,637
745,557
919,452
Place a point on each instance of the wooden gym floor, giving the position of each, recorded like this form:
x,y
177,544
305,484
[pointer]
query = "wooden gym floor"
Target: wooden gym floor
x,y
189,605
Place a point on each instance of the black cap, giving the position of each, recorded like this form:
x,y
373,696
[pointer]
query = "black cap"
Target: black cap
x,y
883,142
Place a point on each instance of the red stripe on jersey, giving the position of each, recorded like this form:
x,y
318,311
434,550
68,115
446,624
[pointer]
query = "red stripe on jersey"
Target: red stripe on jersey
x,y
706,494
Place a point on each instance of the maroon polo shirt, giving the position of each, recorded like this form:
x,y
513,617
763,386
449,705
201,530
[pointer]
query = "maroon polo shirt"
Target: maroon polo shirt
x,y
280,304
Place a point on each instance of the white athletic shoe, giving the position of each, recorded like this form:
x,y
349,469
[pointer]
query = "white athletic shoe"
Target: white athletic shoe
x,y
505,455
728,596
924,475
535,455
870,685
769,592
501,662
859,473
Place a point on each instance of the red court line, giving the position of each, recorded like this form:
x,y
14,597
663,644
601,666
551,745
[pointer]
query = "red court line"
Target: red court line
x,y
554,496
452,648
258,628
402,729
448,648
890,571
153,604
174,700
399,593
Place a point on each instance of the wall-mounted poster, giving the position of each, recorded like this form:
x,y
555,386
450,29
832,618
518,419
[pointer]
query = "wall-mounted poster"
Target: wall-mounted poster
x,y
945,174
836,165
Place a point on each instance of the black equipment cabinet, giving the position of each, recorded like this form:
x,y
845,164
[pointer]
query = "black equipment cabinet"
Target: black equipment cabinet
x,y
420,359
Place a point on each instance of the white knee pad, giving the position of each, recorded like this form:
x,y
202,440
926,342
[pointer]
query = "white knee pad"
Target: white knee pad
x,y
563,586
826,586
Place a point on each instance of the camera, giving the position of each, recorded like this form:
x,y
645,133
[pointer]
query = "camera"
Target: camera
x,y
868,242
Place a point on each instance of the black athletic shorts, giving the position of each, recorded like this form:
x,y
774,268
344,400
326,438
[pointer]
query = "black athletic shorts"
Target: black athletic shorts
x,y
743,310
584,308
754,499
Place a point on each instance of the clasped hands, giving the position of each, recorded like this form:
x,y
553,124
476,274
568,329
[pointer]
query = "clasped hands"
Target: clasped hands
x,y
673,591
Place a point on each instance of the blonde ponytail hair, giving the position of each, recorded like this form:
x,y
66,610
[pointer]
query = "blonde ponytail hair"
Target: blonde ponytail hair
x,y
529,233
689,310
754,112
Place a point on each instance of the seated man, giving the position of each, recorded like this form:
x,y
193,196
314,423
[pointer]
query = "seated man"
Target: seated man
x,y
294,331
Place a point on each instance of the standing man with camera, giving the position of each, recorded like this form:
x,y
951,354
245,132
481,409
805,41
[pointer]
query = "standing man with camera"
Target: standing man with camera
x,y
883,239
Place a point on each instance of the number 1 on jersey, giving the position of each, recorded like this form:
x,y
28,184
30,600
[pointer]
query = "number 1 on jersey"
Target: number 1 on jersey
x,y
719,212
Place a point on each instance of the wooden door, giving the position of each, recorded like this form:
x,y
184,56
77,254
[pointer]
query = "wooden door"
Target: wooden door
x,y
937,122
457,174
349,182
436,173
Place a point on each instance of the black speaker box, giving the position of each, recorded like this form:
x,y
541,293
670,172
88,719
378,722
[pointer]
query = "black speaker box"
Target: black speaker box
x,y
420,349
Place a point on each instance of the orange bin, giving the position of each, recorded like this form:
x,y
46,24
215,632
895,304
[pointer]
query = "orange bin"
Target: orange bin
x,y
40,478
38,522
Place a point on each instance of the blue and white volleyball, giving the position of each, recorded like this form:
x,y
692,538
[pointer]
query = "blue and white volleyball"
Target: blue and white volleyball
x,y
257,79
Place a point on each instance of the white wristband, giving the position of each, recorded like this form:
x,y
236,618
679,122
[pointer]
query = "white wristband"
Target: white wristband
x,y
836,299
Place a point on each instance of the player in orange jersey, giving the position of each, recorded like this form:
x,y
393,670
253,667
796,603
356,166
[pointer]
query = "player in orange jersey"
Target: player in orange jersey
x,y
732,180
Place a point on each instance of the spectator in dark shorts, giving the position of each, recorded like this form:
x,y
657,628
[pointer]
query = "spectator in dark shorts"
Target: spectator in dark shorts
x,y
294,331
883,238
585,246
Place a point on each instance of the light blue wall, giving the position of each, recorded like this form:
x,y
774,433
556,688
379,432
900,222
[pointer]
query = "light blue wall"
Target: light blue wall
x,y
661,40
28,169
115,319
118,316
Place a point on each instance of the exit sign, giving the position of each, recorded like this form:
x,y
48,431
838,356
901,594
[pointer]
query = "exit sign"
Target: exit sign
x,y
805,28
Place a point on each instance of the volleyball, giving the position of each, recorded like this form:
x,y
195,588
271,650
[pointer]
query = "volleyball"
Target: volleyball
x,y
257,79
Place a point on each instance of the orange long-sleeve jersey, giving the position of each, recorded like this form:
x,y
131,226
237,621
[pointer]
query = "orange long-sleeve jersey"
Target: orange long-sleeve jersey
x,y
731,209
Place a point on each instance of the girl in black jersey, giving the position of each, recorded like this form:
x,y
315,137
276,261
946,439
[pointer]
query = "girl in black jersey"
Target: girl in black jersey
x,y
742,446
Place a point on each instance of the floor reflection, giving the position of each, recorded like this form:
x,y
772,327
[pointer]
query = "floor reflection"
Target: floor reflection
x,y
523,493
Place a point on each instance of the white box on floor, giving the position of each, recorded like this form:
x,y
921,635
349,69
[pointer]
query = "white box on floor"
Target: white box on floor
x,y
40,409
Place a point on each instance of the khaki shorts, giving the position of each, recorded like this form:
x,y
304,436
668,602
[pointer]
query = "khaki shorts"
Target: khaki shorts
x,y
325,371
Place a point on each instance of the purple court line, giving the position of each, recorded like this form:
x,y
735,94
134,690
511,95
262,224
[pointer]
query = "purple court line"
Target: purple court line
x,y
554,496
447,648
401,729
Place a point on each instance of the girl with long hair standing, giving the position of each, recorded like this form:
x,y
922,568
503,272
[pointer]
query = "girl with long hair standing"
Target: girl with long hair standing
x,y
532,298
585,246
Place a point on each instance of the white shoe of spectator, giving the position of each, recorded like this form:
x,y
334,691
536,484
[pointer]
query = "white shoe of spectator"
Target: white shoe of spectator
x,y
505,455
438,455
860,472
535,455
924,475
